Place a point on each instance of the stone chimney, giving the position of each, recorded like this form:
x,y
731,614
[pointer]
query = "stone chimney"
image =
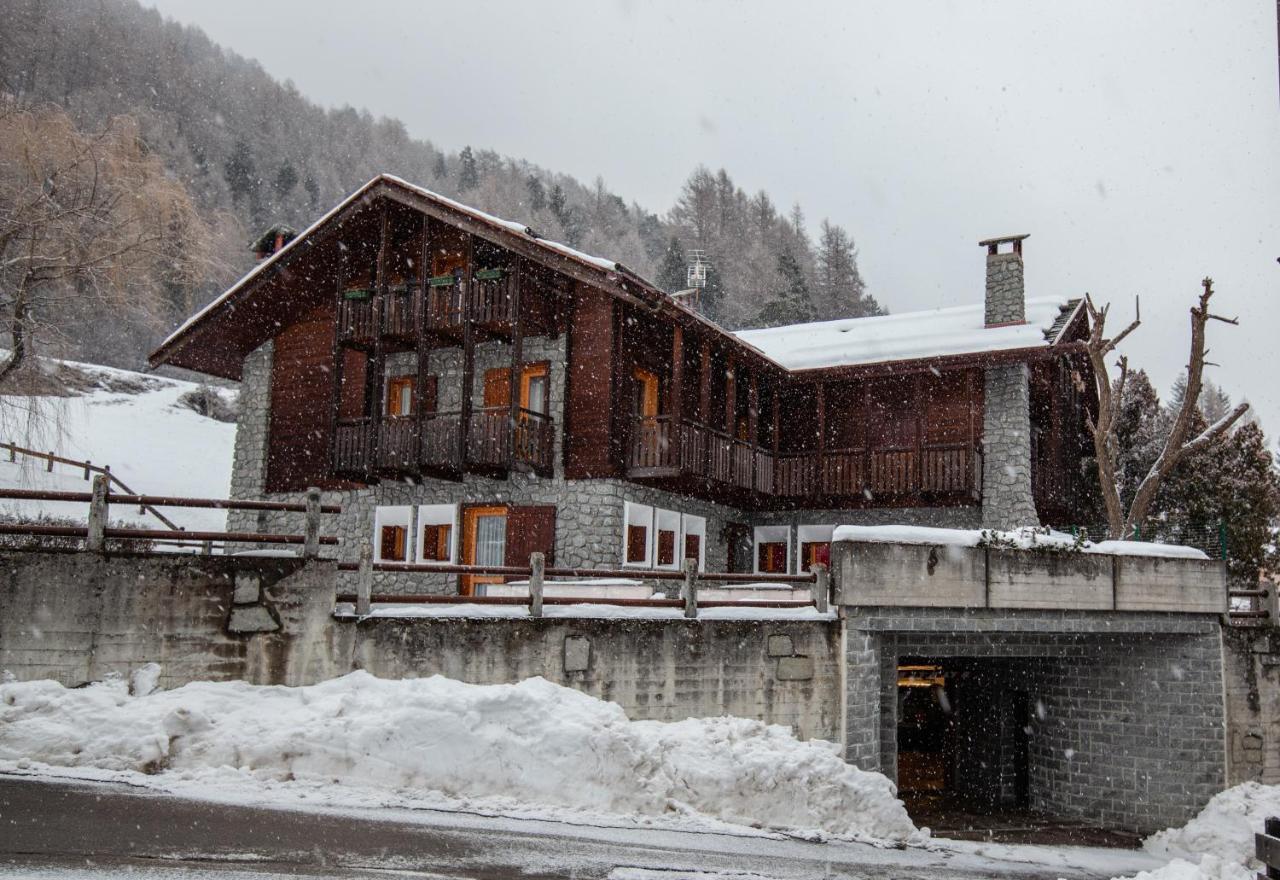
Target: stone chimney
x,y
1006,299
1008,500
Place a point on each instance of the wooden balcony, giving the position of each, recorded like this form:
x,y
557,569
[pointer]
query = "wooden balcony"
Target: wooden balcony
x,y
491,304
666,452
357,318
440,311
429,447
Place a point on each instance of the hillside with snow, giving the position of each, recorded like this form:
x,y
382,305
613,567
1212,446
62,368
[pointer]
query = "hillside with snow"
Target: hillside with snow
x,y
142,426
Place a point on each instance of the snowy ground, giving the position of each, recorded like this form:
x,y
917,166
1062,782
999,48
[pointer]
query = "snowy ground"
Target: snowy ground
x,y
532,752
130,421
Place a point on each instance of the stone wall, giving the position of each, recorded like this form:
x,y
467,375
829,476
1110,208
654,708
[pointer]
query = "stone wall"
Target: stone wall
x,y
77,617
253,425
1251,657
1128,708
1005,297
1007,501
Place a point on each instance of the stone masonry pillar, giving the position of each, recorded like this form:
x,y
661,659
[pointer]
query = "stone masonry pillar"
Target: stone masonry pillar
x,y
249,463
1007,501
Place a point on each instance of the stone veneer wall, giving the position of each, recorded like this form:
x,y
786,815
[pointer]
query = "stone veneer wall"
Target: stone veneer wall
x,y
1129,727
1007,500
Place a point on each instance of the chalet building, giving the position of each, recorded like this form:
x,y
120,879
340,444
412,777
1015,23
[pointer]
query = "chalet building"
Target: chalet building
x,y
471,392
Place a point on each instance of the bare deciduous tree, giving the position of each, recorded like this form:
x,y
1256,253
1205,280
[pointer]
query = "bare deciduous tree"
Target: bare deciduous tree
x,y
89,223
1122,523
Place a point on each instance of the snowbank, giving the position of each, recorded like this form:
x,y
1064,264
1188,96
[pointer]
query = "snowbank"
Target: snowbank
x,y
534,742
1022,539
1218,843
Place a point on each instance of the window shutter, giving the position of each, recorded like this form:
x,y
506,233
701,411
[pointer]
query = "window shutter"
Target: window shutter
x,y
637,540
531,529
497,387
666,547
692,544
428,394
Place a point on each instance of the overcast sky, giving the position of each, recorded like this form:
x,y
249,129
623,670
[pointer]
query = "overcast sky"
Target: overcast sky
x,y
1138,142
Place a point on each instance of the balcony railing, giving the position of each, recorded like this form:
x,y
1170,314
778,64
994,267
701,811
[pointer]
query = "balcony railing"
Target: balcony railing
x,y
357,317
660,448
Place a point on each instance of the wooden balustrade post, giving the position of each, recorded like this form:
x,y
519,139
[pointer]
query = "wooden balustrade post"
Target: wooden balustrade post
x,y
96,539
206,548
87,468
537,567
364,580
50,461
821,587
311,531
690,588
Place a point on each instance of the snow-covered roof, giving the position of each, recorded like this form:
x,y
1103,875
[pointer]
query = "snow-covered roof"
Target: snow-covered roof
x,y
959,330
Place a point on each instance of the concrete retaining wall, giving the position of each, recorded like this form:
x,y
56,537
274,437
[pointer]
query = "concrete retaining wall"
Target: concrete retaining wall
x,y
77,617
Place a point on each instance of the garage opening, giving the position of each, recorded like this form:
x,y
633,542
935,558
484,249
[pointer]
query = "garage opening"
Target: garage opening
x,y
965,738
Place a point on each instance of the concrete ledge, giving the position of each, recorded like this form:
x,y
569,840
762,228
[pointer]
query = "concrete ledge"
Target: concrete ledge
x,y
884,574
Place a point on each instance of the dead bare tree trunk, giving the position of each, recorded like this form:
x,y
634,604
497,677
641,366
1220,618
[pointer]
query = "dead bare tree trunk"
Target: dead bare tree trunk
x,y
1122,523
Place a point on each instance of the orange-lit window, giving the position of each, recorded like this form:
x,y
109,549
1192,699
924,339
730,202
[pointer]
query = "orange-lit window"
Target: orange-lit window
x,y
813,553
533,388
391,543
772,557
400,396
646,392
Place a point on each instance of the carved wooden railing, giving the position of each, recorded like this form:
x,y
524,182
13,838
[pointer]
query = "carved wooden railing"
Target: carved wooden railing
x,y
401,310
357,317
352,446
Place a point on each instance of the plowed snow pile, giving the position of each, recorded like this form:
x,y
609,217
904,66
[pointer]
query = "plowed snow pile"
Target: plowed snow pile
x,y
1218,843
534,742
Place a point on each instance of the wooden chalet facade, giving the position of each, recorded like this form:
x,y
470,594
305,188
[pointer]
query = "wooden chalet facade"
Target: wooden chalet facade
x,y
422,346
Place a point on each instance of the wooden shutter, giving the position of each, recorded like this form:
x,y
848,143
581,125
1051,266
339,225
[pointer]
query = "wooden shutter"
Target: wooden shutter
x,y
637,543
666,547
497,387
692,545
531,529
392,543
427,394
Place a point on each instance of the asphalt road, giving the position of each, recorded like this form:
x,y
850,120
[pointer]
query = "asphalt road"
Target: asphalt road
x,y
61,829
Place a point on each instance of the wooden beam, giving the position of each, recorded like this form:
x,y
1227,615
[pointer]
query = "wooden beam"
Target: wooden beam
x,y
377,360
822,422
677,380
422,343
468,357
730,395
339,363
704,385
753,408
517,358
777,418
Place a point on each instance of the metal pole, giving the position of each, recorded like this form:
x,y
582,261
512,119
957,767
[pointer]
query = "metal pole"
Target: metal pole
x,y
690,588
364,580
96,540
537,565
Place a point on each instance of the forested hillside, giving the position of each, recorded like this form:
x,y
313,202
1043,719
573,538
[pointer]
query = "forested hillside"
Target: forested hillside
x,y
252,151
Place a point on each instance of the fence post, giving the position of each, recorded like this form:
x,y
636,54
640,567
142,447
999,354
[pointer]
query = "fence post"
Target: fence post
x,y
311,534
364,580
537,565
821,587
50,460
206,548
87,467
690,588
96,539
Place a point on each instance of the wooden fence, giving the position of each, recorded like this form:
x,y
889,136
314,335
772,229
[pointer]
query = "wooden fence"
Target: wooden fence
x,y
97,529
1266,847
818,581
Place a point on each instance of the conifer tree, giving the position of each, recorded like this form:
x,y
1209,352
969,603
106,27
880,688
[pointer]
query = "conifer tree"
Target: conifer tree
x,y
794,304
468,173
673,273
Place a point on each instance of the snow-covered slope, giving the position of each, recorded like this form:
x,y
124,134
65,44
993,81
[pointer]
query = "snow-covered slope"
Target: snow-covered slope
x,y
130,421
532,745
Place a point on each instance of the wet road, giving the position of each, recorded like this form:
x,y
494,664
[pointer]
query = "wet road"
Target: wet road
x,y
61,829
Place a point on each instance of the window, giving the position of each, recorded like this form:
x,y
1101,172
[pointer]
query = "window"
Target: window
x,y
400,396
667,525
646,402
391,533
533,388
694,529
637,543
436,530
815,545
773,549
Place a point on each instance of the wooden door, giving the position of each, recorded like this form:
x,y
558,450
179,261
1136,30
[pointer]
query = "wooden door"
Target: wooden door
x,y
484,542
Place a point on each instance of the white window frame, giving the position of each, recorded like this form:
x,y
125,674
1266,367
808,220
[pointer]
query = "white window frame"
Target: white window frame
x,y
668,521
640,515
694,525
392,515
809,535
770,535
436,515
